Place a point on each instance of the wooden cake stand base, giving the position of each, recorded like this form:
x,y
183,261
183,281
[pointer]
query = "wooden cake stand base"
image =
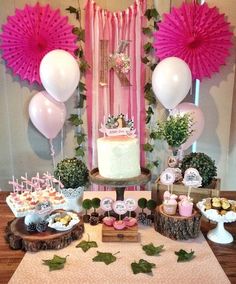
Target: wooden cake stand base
x,y
177,227
18,237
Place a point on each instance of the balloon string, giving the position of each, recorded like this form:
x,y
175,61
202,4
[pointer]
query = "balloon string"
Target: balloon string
x,y
52,153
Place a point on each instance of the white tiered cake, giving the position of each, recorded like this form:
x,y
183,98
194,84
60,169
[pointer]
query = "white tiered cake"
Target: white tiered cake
x,y
118,156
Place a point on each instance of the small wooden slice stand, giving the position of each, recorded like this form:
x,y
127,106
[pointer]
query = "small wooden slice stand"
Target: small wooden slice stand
x,y
110,234
177,227
19,238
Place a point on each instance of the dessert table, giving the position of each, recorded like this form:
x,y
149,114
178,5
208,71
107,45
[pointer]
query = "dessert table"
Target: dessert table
x,y
10,259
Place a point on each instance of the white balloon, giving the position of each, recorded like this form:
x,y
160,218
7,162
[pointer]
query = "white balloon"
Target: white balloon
x,y
60,74
171,81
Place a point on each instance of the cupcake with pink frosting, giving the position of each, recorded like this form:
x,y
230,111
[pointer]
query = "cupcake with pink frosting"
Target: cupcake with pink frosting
x,y
185,208
170,206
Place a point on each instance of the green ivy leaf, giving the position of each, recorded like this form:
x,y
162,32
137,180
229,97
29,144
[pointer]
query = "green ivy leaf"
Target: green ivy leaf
x,y
148,14
150,97
142,266
79,151
82,87
150,249
55,263
147,31
148,47
184,256
145,60
154,135
80,33
80,138
75,120
86,245
105,257
154,14
72,10
156,163
84,66
150,166
148,147
147,87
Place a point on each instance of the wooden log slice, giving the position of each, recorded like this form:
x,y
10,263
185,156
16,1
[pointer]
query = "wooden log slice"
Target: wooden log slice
x,y
177,227
19,238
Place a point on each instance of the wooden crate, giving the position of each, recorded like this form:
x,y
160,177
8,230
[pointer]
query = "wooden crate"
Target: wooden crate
x,y
129,234
213,190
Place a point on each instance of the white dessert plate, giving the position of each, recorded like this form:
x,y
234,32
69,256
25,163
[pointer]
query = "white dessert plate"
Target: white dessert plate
x,y
59,226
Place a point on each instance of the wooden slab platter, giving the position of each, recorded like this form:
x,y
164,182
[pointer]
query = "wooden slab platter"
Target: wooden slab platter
x,y
177,227
19,238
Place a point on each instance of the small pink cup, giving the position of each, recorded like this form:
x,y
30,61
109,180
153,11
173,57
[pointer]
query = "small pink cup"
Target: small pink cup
x,y
185,208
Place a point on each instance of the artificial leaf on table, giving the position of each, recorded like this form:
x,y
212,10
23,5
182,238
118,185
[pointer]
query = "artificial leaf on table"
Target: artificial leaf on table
x,y
105,257
145,60
148,14
142,266
86,245
150,249
147,31
184,256
56,263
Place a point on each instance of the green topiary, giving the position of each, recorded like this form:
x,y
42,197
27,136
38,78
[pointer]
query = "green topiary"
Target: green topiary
x,y
151,204
96,203
203,163
72,173
142,203
87,204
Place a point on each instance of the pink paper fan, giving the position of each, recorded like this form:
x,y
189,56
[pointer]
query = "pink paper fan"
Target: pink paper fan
x,y
30,34
197,34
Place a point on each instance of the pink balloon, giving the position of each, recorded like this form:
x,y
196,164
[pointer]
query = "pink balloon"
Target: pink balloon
x,y
47,114
198,121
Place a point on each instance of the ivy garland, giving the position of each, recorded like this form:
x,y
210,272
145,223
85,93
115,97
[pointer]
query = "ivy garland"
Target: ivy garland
x,y
76,119
153,18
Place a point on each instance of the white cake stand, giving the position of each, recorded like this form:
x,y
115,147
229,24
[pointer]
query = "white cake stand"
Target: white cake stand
x,y
219,234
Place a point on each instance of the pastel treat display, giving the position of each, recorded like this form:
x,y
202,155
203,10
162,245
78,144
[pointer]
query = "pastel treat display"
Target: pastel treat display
x,y
108,220
170,206
118,150
130,222
38,194
119,225
185,208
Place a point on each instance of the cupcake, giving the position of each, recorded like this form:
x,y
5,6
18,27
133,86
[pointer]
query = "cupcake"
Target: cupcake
x,y
130,222
173,196
185,208
108,220
170,206
119,225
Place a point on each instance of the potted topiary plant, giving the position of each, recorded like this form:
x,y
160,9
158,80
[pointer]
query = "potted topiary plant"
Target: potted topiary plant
x,y
203,163
73,174
87,205
151,205
95,204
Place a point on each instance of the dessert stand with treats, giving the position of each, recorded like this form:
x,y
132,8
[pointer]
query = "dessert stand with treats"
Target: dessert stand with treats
x,y
219,210
177,218
40,223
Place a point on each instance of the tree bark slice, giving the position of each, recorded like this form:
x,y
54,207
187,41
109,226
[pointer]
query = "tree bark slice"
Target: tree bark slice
x,y
18,237
177,227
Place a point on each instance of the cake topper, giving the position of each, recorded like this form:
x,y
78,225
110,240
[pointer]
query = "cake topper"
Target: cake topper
x,y
118,125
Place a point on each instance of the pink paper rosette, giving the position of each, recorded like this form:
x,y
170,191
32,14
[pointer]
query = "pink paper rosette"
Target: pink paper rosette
x,y
30,34
197,34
